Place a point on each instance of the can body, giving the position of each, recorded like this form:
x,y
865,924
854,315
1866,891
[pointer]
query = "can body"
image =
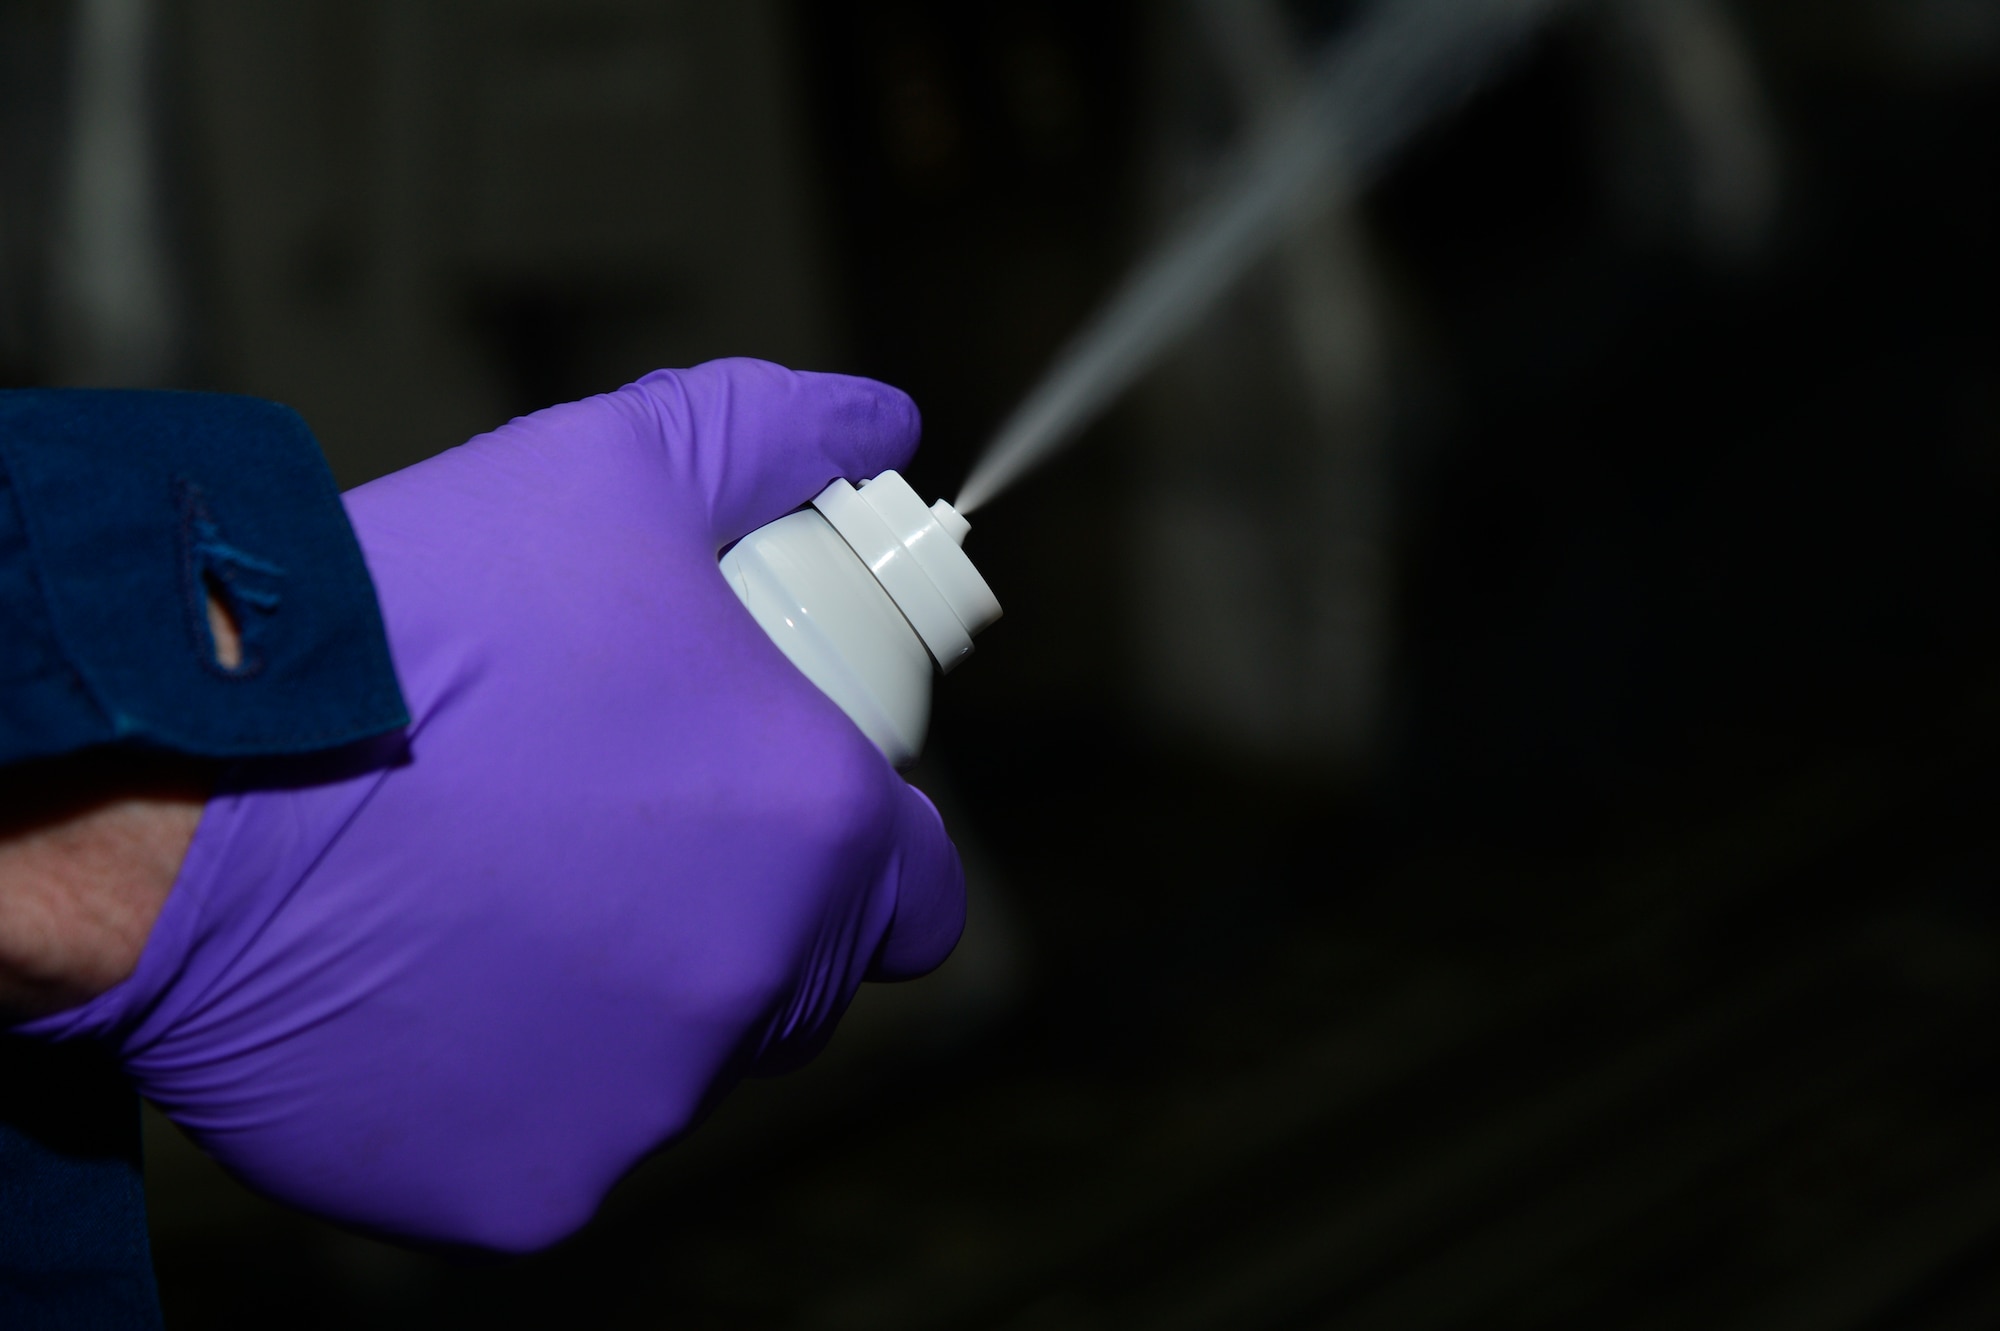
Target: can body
x,y
832,618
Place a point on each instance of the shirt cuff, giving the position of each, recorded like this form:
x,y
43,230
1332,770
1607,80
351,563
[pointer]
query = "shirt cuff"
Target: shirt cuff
x,y
122,513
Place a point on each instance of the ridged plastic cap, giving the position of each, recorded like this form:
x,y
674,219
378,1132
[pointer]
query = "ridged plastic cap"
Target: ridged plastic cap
x,y
914,552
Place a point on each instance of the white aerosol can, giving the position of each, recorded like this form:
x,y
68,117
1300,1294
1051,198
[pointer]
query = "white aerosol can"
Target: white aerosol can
x,y
863,591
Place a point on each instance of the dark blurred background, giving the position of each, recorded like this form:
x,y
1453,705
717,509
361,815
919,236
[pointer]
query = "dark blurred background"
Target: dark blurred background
x,y
1482,810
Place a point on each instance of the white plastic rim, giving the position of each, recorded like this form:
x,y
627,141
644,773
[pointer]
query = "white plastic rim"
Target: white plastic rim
x,y
913,549
934,536
895,567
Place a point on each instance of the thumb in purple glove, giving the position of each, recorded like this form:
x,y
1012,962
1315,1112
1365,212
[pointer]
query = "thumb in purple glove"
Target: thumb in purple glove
x,y
453,986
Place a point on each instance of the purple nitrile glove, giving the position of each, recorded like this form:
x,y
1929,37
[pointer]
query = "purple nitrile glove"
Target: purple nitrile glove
x,y
453,989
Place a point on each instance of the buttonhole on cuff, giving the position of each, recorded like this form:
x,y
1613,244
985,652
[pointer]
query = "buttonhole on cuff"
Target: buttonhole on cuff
x,y
225,634
230,592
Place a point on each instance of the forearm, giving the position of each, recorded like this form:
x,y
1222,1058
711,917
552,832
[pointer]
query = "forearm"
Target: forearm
x,y
90,846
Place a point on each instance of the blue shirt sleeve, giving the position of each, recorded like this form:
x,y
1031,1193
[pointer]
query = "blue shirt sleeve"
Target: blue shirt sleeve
x,y
74,1253
121,514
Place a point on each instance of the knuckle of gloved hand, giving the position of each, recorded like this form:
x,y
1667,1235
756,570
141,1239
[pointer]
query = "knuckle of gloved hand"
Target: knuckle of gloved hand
x,y
749,976
521,1221
815,809
843,807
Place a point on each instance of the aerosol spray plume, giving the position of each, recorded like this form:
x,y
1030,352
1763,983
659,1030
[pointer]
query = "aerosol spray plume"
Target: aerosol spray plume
x,y
1407,63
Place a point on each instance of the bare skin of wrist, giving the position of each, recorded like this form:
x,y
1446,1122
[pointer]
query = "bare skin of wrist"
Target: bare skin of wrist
x,y
90,845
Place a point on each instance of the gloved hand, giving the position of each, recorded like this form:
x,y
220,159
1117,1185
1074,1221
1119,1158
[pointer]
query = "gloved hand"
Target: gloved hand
x,y
454,986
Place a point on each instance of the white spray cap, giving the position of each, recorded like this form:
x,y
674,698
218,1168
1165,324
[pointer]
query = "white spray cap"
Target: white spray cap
x,y
913,551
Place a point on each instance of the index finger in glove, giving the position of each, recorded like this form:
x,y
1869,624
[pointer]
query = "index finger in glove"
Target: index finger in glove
x,y
756,440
